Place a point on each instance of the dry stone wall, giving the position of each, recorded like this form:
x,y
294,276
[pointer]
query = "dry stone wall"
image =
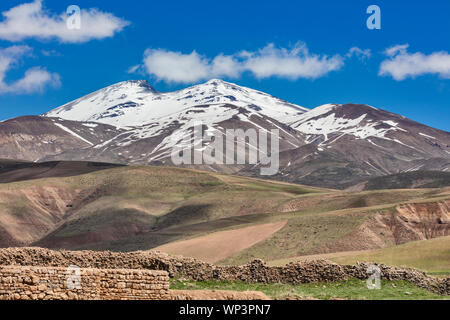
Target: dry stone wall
x,y
53,283
256,271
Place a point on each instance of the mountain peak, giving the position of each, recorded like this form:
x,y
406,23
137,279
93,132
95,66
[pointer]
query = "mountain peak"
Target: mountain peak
x,y
221,83
214,81
139,83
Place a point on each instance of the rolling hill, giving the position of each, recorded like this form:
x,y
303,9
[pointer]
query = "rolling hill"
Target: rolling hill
x,y
212,216
128,207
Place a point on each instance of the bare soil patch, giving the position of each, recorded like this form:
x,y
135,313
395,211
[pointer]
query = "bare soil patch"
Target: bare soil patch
x,y
220,245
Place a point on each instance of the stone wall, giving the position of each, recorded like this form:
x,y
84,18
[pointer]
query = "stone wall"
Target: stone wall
x,y
256,271
51,283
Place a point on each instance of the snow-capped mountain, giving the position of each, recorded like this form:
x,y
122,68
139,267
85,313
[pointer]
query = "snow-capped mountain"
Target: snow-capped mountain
x,y
332,145
136,103
344,143
328,123
153,142
157,121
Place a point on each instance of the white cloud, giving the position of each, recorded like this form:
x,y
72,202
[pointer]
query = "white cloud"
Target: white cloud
x,y
226,66
175,66
51,53
361,54
399,48
292,64
35,79
401,64
134,69
30,20
267,62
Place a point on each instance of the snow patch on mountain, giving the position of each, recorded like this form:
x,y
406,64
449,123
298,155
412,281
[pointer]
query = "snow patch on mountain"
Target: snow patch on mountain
x,y
426,136
73,133
324,120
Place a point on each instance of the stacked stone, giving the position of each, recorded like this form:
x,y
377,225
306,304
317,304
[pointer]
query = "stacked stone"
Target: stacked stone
x,y
51,283
256,271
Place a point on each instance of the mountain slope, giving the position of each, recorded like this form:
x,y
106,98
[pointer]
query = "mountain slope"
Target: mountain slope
x,y
329,123
153,143
33,137
14,171
406,180
348,143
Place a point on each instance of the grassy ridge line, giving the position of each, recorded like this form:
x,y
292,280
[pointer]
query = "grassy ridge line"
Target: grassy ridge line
x,y
432,256
415,179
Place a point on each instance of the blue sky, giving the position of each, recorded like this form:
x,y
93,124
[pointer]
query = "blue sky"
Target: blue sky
x,y
263,42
